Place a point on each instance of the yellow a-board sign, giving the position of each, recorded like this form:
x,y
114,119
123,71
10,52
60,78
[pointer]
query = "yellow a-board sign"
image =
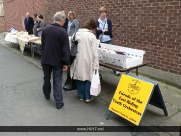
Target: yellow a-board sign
x,y
131,98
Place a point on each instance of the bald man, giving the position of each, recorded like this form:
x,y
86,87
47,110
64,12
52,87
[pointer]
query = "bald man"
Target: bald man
x,y
29,23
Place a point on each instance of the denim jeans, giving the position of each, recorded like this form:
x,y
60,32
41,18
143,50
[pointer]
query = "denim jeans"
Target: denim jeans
x,y
83,89
109,42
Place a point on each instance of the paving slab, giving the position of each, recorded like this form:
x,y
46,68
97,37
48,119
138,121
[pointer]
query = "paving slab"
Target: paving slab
x,y
172,95
174,120
155,116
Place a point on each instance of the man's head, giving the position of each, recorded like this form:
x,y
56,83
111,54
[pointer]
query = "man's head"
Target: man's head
x,y
59,18
27,14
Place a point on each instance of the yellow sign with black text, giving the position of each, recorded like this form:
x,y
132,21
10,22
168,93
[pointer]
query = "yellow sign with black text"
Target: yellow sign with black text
x,y
131,98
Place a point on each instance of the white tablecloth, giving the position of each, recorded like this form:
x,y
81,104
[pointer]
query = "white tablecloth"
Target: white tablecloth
x,y
20,40
11,38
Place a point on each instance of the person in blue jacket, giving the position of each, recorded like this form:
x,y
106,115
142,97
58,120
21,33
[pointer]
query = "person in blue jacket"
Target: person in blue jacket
x,y
73,23
104,30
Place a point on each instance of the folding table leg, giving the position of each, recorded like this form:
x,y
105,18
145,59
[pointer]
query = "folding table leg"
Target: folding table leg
x,y
137,71
108,115
135,130
32,50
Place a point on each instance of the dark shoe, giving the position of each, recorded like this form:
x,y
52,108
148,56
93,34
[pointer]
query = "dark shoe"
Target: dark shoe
x,y
59,107
47,97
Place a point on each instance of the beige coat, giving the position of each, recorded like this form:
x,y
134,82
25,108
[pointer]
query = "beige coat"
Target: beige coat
x,y
87,56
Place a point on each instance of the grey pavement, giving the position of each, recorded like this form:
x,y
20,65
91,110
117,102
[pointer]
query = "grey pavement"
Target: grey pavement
x,y
22,102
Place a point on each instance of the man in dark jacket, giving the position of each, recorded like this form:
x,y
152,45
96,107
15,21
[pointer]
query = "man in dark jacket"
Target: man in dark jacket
x,y
29,23
66,22
55,57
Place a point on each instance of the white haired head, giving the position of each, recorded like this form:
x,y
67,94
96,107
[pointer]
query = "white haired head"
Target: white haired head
x,y
59,16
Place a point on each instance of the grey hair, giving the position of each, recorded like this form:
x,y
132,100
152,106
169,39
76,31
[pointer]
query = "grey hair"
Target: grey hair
x,y
59,16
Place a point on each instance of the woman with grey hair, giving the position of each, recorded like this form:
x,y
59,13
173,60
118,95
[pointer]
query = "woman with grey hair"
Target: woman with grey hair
x,y
73,24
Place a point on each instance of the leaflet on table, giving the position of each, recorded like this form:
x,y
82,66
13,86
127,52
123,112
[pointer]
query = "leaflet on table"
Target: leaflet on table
x,y
113,52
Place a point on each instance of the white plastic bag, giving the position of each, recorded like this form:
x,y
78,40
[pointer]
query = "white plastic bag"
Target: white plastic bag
x,y
95,88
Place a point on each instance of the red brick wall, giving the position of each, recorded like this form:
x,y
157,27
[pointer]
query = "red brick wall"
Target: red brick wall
x,y
151,25
2,24
14,11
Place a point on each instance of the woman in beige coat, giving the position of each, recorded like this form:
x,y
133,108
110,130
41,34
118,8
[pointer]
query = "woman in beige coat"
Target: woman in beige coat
x,y
86,60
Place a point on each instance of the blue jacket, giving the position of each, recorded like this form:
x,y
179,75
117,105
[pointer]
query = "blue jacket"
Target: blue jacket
x,y
73,27
109,32
55,46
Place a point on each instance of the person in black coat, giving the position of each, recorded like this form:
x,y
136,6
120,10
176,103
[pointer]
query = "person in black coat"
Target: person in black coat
x,y
66,22
55,57
29,23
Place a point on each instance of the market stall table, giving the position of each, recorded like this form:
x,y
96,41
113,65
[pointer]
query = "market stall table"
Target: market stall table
x,y
25,40
118,68
22,38
36,42
11,38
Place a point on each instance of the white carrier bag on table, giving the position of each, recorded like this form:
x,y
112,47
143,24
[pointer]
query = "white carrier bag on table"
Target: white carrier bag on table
x,y
95,88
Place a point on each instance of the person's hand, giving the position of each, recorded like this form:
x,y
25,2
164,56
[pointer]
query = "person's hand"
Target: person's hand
x,y
104,31
65,67
97,28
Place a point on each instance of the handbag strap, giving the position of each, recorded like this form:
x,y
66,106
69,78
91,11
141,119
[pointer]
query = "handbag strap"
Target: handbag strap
x,y
74,36
95,71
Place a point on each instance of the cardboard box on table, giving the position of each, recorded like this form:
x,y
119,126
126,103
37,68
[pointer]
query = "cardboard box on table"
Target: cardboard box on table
x,y
132,57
